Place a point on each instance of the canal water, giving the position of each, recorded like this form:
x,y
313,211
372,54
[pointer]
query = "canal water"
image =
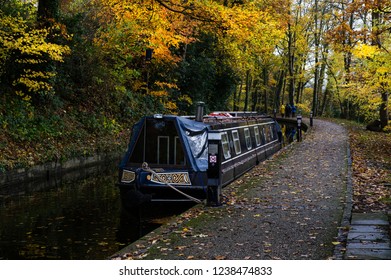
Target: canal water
x,y
72,219
68,218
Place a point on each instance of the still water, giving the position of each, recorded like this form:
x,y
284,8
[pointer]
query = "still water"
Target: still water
x,y
79,219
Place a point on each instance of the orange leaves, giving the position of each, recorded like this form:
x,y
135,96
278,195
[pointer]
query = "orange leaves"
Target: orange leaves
x,y
143,25
371,156
242,35
161,25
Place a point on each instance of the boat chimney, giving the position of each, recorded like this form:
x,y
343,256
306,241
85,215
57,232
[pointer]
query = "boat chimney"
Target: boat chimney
x,y
200,111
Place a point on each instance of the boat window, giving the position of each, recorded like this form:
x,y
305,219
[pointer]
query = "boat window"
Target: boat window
x,y
157,142
235,136
179,156
273,132
163,150
263,135
257,136
225,145
267,134
247,137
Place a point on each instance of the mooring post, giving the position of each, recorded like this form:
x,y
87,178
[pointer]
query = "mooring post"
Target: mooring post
x,y
311,119
213,196
299,119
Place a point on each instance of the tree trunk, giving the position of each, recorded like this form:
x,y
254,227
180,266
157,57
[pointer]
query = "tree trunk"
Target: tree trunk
x,y
316,68
248,88
384,109
323,105
291,65
48,9
256,105
255,96
265,88
279,89
376,23
237,97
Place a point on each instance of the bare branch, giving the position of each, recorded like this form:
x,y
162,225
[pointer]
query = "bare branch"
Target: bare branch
x,y
188,10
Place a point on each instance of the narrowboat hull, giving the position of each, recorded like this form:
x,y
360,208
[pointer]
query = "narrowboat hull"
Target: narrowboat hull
x,y
173,158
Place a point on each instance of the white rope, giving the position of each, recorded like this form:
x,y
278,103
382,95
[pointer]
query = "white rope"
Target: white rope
x,y
146,168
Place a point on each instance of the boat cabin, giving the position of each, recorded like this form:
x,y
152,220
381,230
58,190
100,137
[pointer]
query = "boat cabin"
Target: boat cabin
x,y
171,155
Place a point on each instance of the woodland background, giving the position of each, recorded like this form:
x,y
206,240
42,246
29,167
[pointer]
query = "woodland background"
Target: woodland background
x,y
76,74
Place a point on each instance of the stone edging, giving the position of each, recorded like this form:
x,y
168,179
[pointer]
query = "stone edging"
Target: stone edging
x,y
340,248
50,169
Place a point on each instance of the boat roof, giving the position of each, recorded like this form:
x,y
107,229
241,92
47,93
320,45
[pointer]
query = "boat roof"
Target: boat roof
x,y
194,134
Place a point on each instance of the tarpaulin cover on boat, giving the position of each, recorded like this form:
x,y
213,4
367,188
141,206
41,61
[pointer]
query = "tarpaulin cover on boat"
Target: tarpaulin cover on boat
x,y
194,136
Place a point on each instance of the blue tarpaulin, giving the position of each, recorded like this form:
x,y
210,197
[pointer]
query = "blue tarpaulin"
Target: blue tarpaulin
x,y
194,136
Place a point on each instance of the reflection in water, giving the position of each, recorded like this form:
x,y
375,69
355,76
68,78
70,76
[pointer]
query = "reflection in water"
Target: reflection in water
x,y
82,219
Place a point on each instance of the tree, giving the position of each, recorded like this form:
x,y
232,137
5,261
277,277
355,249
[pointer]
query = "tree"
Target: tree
x,y
26,52
365,34
241,32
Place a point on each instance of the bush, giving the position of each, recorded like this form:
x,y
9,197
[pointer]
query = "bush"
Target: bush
x,y
387,129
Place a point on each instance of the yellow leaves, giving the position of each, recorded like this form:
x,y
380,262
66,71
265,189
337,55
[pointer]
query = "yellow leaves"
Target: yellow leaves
x,y
31,48
33,81
33,85
246,24
142,26
365,51
166,85
185,99
151,25
369,77
171,107
382,70
31,42
24,96
158,93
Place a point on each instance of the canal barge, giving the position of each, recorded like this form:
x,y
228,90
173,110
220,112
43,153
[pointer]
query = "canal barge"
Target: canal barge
x,y
174,158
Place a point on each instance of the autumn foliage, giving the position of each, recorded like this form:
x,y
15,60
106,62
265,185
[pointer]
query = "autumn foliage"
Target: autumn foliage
x,y
77,69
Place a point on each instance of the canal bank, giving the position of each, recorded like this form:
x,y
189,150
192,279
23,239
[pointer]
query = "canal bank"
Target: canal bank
x,y
56,169
288,207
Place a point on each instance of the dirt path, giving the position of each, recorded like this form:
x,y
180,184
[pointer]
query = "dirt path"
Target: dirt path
x,y
289,207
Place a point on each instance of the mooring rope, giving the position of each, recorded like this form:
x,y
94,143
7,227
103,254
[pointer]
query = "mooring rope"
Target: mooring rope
x,y
146,168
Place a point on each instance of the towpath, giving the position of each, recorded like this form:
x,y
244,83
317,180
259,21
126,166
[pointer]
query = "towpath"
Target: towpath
x,y
289,207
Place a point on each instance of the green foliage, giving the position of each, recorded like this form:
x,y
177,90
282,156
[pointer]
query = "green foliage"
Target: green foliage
x,y
23,123
203,75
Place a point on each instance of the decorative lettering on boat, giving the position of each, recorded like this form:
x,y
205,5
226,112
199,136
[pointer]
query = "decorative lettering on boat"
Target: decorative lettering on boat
x,y
174,178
